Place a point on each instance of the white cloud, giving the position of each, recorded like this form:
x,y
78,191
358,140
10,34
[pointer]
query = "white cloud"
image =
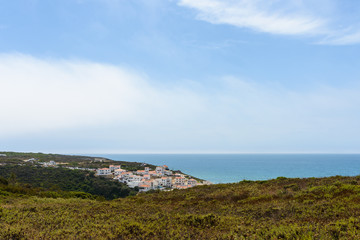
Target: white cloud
x,y
49,97
49,94
257,15
285,17
342,39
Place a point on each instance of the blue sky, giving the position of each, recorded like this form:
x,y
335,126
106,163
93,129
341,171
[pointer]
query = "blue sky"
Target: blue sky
x,y
112,76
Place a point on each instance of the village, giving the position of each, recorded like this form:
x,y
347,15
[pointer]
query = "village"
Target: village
x,y
159,179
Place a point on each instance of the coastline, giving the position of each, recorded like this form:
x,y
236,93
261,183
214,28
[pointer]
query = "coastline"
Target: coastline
x,y
231,168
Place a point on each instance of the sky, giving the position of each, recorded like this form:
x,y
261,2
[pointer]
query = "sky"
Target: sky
x,y
180,76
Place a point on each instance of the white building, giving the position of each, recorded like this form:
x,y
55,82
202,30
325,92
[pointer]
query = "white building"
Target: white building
x,y
160,170
141,172
136,178
155,183
180,181
165,182
192,182
103,171
125,177
30,160
114,167
118,171
144,187
134,184
49,164
152,173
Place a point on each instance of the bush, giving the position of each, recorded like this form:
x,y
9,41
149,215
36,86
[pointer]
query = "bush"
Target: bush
x,y
4,181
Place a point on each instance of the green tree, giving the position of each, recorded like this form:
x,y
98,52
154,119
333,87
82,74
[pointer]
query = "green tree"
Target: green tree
x,y
12,179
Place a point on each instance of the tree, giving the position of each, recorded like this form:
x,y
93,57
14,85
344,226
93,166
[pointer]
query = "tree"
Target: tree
x,y
12,179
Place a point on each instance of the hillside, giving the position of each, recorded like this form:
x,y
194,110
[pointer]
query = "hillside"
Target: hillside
x,y
113,179
314,208
68,160
63,179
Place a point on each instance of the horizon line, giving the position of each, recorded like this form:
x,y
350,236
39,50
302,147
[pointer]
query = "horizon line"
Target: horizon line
x,y
185,153
224,153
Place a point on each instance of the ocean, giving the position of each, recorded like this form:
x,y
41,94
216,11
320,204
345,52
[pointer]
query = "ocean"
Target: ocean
x,y
229,168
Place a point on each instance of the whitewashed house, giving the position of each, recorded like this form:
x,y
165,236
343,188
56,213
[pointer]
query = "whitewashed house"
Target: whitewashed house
x,y
180,181
165,181
132,180
114,167
125,177
144,187
49,164
136,178
160,170
103,171
134,184
140,172
118,171
30,160
152,173
192,182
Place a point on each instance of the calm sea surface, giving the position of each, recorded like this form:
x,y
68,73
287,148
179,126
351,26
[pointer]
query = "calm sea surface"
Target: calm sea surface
x,y
227,168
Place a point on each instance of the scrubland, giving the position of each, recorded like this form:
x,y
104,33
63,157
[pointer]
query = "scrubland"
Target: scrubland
x,y
313,208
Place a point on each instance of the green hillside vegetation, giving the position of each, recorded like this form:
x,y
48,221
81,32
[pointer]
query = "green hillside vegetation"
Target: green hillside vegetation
x,y
70,160
314,208
63,179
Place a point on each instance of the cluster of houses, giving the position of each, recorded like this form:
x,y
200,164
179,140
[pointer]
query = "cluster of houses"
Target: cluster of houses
x,y
161,178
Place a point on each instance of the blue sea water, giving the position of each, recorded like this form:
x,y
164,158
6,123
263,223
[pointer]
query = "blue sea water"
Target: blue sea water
x,y
228,168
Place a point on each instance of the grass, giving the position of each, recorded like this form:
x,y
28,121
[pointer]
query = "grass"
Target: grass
x,y
314,208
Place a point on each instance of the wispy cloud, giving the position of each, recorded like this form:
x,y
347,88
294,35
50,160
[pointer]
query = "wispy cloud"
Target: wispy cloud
x,y
258,15
49,97
285,17
346,38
